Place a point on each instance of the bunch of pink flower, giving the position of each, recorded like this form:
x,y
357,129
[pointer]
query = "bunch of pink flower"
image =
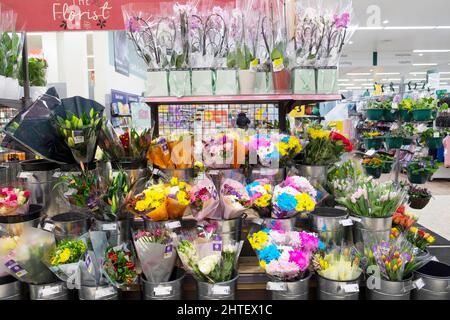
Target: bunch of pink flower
x,y
301,184
13,201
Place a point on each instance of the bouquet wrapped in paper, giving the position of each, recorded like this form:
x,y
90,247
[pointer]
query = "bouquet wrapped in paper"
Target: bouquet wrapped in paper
x,y
173,152
224,151
263,146
13,201
91,265
260,192
284,255
234,199
339,264
292,196
156,253
119,266
24,256
204,199
209,259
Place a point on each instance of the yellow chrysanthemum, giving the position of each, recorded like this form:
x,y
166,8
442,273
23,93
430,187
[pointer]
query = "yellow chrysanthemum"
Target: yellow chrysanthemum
x,y
262,264
174,181
294,144
258,240
263,201
181,197
141,205
282,148
182,185
318,133
65,255
267,187
304,202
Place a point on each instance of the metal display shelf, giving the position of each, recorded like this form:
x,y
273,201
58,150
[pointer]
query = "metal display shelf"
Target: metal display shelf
x,y
15,104
285,103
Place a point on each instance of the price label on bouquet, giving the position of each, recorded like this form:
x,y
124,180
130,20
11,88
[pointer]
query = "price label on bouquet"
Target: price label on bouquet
x,y
88,263
109,227
351,288
25,175
57,175
162,291
221,290
15,268
217,243
419,284
173,225
50,290
346,222
168,250
370,153
276,286
436,135
49,227
78,137
104,292
355,219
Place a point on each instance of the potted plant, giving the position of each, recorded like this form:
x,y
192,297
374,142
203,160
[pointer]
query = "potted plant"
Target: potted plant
x,y
388,161
396,138
373,166
405,107
418,197
420,171
10,52
432,138
247,73
373,139
375,110
389,114
423,109
37,69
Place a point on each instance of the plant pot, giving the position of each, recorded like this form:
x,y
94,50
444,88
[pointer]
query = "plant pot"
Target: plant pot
x,y
52,291
374,172
418,203
375,114
390,115
157,83
326,222
281,81
10,288
171,290
247,81
387,166
368,230
218,291
226,82
406,115
336,290
327,80
373,143
394,142
228,229
105,292
422,114
434,143
407,141
436,276
202,82
417,178
179,83
391,290
263,82
295,290
304,80
315,174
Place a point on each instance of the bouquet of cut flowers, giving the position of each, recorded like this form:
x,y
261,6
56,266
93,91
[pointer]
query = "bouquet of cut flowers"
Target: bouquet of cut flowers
x,y
292,196
339,264
403,220
173,152
13,201
284,255
154,249
340,177
204,199
264,147
372,199
119,266
419,238
260,192
7,243
396,259
209,259
234,199
223,151
288,148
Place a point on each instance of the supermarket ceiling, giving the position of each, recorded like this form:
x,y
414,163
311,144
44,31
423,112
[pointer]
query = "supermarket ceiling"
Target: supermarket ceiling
x,y
410,37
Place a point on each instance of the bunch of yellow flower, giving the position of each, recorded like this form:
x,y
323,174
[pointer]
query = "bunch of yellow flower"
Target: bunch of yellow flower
x,y
289,145
318,133
151,198
258,240
372,134
304,202
179,190
264,200
68,251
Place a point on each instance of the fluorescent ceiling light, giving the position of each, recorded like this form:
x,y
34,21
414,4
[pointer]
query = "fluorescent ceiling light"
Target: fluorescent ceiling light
x,y
387,73
411,28
385,21
424,64
444,83
394,79
345,84
358,74
444,79
445,72
417,73
350,42
354,88
415,79
343,80
367,84
431,51
443,27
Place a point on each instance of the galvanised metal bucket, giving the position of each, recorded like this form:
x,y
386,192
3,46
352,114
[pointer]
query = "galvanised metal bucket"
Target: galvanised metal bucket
x,y
14,225
368,230
274,175
69,224
328,224
218,291
10,288
106,292
337,290
297,290
171,290
391,290
52,291
4,181
287,224
228,229
135,170
117,232
315,174
436,277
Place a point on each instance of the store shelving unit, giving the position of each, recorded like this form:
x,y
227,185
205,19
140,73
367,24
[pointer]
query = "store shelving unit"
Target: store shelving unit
x,y
285,103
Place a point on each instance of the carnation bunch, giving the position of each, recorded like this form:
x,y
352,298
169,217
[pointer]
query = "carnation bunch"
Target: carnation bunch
x,y
13,201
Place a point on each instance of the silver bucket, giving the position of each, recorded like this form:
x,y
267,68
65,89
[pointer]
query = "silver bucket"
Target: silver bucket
x,y
4,180
274,175
296,290
326,222
52,291
186,175
117,232
367,231
228,229
106,292
68,224
135,170
336,290
391,290
436,278
171,290
10,289
218,291
315,174
287,224
15,225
